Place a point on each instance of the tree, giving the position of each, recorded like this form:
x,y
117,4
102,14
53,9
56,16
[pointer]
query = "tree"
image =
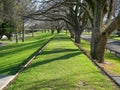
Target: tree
x,y
6,24
13,12
71,12
101,30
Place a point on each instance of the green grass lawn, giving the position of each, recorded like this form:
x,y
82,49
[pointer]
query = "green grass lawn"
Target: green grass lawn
x,y
13,56
61,66
114,62
114,36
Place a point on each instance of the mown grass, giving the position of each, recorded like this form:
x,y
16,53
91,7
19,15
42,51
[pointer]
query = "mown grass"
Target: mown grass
x,y
61,66
113,67
13,56
114,36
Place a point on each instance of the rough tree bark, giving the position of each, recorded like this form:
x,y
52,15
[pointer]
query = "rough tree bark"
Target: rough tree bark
x,y
96,29
77,36
16,37
72,34
9,37
104,37
78,31
23,33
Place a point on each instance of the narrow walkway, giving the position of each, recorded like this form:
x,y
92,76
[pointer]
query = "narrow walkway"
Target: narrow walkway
x,y
4,80
61,66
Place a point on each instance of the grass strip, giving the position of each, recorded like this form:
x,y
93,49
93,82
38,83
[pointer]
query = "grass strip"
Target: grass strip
x,y
61,66
114,36
14,56
112,62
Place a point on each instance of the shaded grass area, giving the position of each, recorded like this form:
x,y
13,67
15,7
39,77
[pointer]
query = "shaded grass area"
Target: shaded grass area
x,y
113,67
61,66
14,56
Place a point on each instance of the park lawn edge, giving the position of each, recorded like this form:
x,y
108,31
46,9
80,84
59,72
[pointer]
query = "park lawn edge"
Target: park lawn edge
x,y
112,62
38,74
12,67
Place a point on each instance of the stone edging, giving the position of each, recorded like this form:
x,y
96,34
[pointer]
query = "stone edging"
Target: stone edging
x,y
95,63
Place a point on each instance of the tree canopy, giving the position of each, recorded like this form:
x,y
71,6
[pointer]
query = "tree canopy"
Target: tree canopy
x,y
102,16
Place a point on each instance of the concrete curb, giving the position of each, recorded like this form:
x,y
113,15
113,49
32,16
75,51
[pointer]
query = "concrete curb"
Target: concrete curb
x,y
5,80
95,63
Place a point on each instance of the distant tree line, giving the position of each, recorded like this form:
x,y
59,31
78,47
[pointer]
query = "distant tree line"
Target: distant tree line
x,y
12,18
102,16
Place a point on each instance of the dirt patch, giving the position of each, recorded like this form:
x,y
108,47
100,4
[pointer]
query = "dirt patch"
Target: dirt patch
x,y
108,66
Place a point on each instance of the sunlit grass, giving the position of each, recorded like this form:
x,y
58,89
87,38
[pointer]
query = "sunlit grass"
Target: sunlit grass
x,y
114,36
117,38
13,56
114,62
61,66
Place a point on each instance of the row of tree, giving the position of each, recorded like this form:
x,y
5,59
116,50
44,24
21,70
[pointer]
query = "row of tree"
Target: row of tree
x,y
12,18
102,16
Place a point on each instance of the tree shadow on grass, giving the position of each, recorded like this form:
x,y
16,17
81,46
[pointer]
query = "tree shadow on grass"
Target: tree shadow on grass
x,y
21,48
61,38
20,45
55,84
16,65
58,50
52,84
64,57
61,83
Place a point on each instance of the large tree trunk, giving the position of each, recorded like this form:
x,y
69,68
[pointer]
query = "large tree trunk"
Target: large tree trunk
x,y
104,37
16,37
99,37
1,37
78,33
97,26
23,33
9,37
77,36
52,31
32,32
72,34
101,47
58,30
